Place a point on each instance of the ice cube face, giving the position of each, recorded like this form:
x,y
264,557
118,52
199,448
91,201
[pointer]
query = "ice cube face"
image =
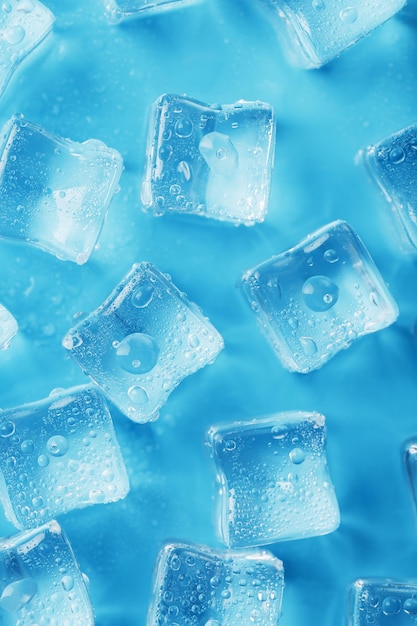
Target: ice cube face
x,y
317,297
316,31
142,341
274,481
23,26
8,327
212,161
201,587
119,10
54,193
383,602
392,163
40,582
59,454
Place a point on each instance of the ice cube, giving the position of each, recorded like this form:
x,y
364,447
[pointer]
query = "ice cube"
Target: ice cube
x,y
392,163
8,327
24,24
316,31
59,454
198,586
379,601
317,297
273,479
40,581
119,10
54,192
214,161
142,341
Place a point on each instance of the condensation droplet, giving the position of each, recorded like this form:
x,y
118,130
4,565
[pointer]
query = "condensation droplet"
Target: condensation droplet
x,y
142,296
57,445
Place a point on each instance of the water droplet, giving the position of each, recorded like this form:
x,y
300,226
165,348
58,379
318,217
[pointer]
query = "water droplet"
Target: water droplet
x,y
184,127
43,460
7,429
184,170
26,6
175,563
193,341
318,4
219,153
165,152
27,446
280,431
297,456
97,496
14,35
309,346
142,296
230,445
331,256
137,353
17,594
6,7
320,293
215,581
256,616
349,15
410,606
57,445
397,155
212,622
391,605
374,298
138,395
67,582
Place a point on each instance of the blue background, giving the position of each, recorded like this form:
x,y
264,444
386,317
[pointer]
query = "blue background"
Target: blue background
x,y
93,80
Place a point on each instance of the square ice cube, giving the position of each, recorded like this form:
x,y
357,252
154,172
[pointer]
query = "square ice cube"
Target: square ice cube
x,y
392,163
24,24
273,479
8,327
54,192
198,586
382,601
119,10
214,161
59,454
40,581
316,31
142,341
317,297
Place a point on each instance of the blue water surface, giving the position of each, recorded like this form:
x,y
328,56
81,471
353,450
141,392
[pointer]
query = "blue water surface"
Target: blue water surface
x,y
93,80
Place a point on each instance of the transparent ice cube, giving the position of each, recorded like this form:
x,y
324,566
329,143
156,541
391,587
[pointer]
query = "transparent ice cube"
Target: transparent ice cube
x,y
392,163
214,161
142,341
273,479
40,581
316,31
119,10
317,297
382,601
54,192
59,454
8,327
198,586
24,24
